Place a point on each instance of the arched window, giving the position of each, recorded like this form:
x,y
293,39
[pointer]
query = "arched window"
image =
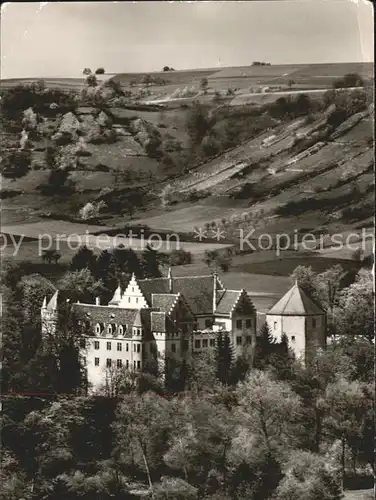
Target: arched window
x,y
120,330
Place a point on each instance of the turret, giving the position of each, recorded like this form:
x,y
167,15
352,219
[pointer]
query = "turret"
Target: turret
x,y
215,278
169,276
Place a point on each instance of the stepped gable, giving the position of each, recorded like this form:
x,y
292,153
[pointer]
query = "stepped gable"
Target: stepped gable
x,y
296,303
226,300
164,302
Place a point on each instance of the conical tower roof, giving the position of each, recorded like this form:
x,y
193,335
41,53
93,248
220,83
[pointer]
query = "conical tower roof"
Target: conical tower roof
x,y
296,303
53,302
117,297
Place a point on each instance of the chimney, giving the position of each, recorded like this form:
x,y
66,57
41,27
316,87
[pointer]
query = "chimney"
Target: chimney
x,y
169,276
97,301
215,276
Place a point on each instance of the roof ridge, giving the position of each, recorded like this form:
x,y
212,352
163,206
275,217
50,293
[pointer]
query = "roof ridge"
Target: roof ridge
x,y
291,291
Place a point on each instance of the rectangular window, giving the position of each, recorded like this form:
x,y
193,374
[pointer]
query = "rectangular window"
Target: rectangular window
x,y
208,323
205,343
119,346
138,347
136,300
249,339
134,347
275,325
129,299
248,323
96,361
173,348
138,364
108,346
212,342
127,363
119,363
238,341
127,347
96,345
197,344
239,324
108,363
134,364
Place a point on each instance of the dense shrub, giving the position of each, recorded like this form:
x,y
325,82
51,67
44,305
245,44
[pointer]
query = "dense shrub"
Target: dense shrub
x,y
15,100
179,257
15,164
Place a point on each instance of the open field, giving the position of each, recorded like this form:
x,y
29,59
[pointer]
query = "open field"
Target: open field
x,y
359,495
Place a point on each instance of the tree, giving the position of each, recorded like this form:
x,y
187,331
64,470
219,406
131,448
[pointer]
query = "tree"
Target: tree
x,y
201,442
221,259
50,256
99,71
265,346
179,257
126,261
198,123
80,285
282,359
150,263
309,477
146,80
355,312
86,71
16,164
204,84
33,288
224,358
84,258
346,405
91,80
202,370
141,429
348,81
269,410
174,487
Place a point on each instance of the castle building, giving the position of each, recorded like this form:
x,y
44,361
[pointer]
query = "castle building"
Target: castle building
x,y
302,320
155,320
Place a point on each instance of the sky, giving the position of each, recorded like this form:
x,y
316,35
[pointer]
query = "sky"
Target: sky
x,y
52,39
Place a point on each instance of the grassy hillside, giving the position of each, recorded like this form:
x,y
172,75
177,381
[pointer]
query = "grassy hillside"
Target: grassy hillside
x,y
182,165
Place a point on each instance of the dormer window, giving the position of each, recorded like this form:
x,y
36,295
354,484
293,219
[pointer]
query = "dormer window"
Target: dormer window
x,y
111,329
121,330
99,327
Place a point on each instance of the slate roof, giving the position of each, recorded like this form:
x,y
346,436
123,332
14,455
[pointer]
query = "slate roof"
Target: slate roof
x,y
296,303
226,301
158,321
197,291
164,302
107,314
